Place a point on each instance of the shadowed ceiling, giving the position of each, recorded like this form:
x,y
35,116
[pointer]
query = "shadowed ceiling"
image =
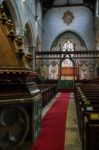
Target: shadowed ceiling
x,y
47,4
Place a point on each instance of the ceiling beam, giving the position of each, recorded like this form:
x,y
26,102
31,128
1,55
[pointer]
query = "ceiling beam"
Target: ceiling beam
x,y
47,4
68,57
67,5
94,52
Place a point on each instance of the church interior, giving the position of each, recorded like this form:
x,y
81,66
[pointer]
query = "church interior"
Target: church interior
x,y
49,74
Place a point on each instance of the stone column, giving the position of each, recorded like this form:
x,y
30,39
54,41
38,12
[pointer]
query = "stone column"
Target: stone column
x,y
97,25
97,33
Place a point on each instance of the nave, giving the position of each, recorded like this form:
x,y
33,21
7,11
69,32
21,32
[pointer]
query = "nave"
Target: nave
x,y
49,47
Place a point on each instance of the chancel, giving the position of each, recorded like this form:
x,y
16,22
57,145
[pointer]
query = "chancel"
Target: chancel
x,y
49,74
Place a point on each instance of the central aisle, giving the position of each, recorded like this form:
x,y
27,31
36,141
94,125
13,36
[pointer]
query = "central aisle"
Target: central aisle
x,y
52,135
71,132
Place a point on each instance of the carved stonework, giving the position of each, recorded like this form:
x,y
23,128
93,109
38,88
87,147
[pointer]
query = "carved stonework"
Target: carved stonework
x,y
68,17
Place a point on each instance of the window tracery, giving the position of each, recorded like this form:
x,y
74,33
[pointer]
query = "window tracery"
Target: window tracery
x,y
68,46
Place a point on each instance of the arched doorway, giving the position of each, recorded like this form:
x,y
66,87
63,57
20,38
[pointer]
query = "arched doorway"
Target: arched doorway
x,y
12,12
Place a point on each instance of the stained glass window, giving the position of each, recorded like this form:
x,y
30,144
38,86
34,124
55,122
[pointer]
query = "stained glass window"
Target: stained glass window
x,y
68,46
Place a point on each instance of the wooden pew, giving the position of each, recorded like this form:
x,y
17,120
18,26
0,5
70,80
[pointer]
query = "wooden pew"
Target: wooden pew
x,y
87,104
48,92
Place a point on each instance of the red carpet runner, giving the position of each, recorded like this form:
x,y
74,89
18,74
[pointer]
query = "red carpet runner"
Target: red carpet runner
x,y
52,134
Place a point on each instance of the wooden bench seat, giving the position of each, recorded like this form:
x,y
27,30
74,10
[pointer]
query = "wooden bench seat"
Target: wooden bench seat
x,y
87,104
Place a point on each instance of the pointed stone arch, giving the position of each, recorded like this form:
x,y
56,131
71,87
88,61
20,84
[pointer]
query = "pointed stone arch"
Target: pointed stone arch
x,y
12,10
65,34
